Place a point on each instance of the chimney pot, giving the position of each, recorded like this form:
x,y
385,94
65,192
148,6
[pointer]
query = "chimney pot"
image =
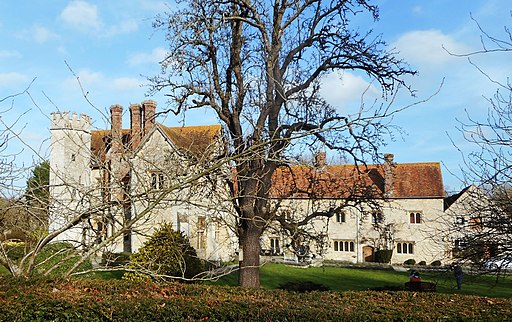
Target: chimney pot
x,y
116,120
148,109
135,124
389,175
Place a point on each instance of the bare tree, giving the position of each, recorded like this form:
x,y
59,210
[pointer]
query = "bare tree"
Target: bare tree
x,y
483,224
86,220
259,66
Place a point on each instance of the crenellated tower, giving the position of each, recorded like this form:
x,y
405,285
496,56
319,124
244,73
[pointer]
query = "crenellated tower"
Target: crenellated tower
x,y
70,172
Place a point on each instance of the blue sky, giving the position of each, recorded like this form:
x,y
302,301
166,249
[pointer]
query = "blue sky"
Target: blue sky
x,y
111,46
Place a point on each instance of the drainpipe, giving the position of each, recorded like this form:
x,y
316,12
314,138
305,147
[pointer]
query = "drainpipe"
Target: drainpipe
x,y
359,248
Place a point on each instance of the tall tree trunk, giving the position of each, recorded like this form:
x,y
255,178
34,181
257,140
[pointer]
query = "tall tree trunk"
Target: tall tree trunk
x,y
250,263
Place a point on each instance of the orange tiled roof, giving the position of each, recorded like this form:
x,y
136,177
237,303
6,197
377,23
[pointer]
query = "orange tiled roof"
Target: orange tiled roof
x,y
341,181
193,139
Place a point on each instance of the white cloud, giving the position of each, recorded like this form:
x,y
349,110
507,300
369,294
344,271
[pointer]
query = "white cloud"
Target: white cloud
x,y
341,90
98,84
42,34
126,84
425,47
37,33
417,10
81,15
124,27
10,54
85,17
86,78
155,56
12,78
156,6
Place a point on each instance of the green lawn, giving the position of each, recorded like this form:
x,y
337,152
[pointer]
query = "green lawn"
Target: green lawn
x,y
360,279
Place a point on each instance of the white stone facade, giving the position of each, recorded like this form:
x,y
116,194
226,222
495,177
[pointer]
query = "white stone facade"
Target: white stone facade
x,y
70,172
143,176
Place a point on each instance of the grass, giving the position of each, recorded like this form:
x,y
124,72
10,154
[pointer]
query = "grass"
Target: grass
x,y
362,279
356,279
54,254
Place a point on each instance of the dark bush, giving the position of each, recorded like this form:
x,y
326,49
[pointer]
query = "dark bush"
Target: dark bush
x,y
422,263
436,263
383,255
410,261
303,287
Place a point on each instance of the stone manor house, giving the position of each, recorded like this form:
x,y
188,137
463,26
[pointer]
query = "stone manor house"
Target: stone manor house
x,y
103,179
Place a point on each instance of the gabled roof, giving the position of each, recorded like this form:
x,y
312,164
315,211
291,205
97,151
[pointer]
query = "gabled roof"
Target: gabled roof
x,y
189,139
470,191
193,139
411,180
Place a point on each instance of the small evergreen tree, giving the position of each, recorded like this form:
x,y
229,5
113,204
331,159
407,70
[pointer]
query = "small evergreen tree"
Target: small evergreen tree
x,y
165,255
38,185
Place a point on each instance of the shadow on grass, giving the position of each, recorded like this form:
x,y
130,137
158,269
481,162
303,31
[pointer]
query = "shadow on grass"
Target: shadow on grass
x,y
347,279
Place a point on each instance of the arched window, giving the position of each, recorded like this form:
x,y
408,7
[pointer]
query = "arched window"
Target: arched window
x,y
415,217
340,217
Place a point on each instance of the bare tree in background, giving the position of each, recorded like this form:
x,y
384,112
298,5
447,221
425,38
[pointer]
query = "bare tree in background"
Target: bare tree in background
x,y
259,66
484,224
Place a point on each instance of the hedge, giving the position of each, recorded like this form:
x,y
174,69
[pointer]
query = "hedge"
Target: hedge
x,y
87,300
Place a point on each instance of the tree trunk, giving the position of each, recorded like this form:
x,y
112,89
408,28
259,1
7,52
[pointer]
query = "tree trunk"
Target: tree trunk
x,y
250,263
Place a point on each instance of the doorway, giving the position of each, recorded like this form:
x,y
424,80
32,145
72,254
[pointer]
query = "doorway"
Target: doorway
x,y
368,254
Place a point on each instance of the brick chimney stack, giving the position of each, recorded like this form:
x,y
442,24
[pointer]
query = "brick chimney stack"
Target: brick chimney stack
x,y
116,120
389,176
148,109
135,125
320,158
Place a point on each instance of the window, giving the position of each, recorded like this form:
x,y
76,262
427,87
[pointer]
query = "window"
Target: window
x,y
201,226
415,217
460,243
157,181
340,217
344,246
460,220
274,246
201,242
217,229
201,223
405,248
377,218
